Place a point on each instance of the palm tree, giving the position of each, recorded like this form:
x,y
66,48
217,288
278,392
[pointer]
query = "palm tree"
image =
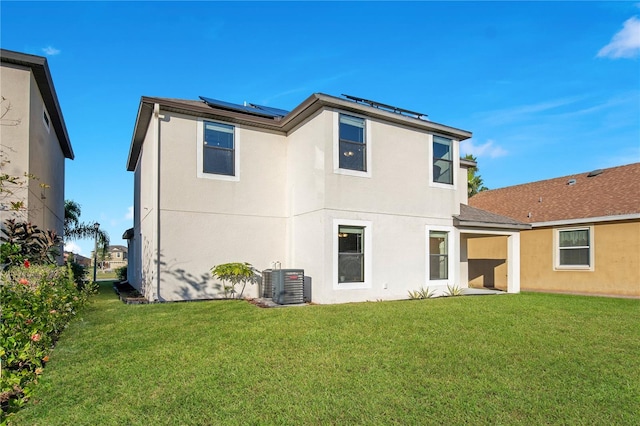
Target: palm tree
x,y
74,229
474,181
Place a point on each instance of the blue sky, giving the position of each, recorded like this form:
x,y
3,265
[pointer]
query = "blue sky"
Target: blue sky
x,y
547,88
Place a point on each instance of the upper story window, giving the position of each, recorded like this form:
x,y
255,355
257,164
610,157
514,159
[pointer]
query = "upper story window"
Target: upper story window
x,y
574,248
45,119
442,160
218,150
353,145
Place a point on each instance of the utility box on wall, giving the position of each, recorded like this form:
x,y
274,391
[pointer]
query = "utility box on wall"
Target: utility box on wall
x,y
288,286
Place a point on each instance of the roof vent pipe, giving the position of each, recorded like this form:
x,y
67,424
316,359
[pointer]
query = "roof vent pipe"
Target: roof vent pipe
x,y
571,182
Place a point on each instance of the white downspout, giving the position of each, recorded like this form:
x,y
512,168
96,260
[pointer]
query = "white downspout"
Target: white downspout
x,y
156,204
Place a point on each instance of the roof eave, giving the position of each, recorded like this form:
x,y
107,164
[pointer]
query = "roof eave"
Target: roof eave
x,y
584,220
42,74
145,111
285,124
467,163
476,224
319,100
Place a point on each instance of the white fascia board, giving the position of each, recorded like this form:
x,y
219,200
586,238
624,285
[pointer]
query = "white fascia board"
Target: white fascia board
x,y
582,220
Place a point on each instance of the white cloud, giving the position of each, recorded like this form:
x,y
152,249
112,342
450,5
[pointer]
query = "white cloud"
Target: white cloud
x,y
72,247
527,112
129,215
625,43
51,51
487,149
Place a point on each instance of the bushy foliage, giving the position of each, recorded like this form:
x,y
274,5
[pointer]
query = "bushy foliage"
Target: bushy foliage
x,y
78,272
121,273
234,274
36,302
27,242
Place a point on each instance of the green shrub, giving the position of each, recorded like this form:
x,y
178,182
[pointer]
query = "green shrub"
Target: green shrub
x,y
78,272
234,274
121,273
37,303
26,241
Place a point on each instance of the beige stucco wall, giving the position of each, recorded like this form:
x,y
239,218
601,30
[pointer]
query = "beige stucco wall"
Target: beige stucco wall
x,y
396,199
616,269
488,262
203,222
33,149
146,217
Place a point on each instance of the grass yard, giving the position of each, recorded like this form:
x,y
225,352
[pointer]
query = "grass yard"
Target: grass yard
x,y
515,359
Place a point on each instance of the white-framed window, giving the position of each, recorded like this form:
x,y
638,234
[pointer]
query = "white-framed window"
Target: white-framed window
x,y
218,151
352,253
441,255
574,248
45,119
443,166
352,145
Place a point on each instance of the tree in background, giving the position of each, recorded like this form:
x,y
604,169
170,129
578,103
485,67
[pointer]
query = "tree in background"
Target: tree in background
x,y
474,181
74,229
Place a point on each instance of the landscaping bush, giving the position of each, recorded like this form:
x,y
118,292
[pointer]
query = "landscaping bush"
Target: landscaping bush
x,y
121,273
79,273
234,274
36,302
25,241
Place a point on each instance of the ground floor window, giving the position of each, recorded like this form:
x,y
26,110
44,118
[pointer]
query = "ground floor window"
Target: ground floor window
x,y
574,248
350,254
438,255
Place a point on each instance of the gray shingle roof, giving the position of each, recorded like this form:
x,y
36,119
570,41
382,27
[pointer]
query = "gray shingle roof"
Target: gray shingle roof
x,y
612,192
473,217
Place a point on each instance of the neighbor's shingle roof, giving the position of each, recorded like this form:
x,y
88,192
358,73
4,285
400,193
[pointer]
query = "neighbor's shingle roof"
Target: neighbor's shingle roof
x,y
614,192
471,215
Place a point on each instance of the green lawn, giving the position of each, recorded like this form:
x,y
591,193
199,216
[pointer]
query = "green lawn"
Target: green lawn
x,y
515,359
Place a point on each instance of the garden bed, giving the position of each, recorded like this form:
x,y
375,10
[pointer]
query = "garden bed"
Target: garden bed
x,y
128,294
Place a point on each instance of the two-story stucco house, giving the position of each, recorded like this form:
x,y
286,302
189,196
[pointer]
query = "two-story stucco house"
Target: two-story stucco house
x,y
116,257
34,140
369,199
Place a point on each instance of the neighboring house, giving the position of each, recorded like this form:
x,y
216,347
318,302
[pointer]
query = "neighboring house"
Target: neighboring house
x,y
367,198
585,235
33,139
79,259
116,257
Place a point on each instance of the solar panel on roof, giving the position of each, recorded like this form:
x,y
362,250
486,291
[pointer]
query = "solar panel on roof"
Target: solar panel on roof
x,y
278,111
253,109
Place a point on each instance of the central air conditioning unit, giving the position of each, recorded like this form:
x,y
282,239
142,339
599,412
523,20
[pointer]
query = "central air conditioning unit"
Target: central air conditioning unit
x,y
266,289
288,286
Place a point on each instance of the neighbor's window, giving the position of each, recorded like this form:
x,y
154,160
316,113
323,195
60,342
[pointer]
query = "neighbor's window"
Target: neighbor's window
x,y
574,248
350,254
438,255
353,146
218,150
442,160
45,119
